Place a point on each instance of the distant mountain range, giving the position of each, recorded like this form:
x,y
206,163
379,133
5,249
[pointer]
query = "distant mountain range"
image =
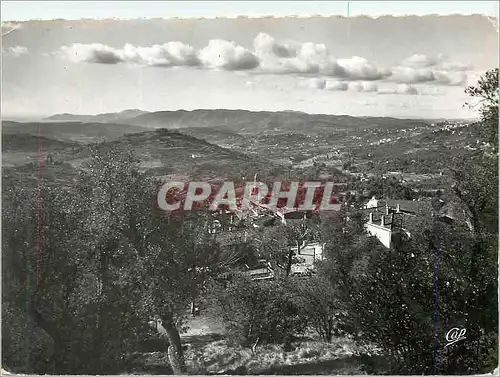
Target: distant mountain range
x,y
240,121
105,117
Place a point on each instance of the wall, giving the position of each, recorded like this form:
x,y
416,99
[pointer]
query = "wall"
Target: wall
x,y
382,233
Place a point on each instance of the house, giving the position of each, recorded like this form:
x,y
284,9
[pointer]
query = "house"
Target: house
x,y
389,219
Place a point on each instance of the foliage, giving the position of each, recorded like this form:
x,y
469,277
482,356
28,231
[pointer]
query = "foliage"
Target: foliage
x,y
486,94
107,265
316,299
257,312
391,293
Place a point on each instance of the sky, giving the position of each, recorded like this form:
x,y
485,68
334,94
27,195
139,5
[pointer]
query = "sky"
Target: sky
x,y
24,10
415,67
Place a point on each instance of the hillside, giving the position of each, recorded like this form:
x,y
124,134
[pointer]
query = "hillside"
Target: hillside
x,y
168,152
31,143
70,131
161,152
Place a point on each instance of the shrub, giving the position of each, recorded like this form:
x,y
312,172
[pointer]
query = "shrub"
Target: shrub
x,y
258,312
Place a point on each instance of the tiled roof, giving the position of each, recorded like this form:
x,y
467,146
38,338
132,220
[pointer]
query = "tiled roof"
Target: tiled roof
x,y
405,206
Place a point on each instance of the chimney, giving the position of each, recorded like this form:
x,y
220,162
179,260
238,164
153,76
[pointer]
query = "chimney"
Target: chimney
x,y
371,217
398,208
386,208
382,221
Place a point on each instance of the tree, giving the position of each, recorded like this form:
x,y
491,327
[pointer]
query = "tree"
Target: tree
x,y
186,257
258,312
315,297
486,94
275,243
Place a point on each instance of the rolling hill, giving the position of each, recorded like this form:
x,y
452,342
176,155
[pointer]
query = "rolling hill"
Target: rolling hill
x,y
70,131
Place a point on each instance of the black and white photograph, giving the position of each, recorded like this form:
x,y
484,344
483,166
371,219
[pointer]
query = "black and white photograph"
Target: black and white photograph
x,y
249,188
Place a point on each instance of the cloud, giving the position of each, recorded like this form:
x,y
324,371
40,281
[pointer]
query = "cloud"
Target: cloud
x,y
218,54
451,78
409,75
358,68
92,53
266,44
363,86
311,58
169,54
422,68
305,58
227,55
400,89
313,83
419,61
370,87
15,51
276,57
336,86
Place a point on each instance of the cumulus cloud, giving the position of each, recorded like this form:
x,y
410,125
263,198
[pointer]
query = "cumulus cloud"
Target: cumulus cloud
x,y
217,54
15,51
306,58
370,87
336,86
440,61
315,83
227,55
266,44
358,86
451,78
91,53
358,68
420,61
422,68
455,66
400,89
311,58
277,57
168,54
409,75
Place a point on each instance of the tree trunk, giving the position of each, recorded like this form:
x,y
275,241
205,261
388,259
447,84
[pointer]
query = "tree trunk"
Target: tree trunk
x,y
290,259
175,353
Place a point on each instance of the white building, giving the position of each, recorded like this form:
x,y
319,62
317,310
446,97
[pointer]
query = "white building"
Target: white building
x,y
381,229
390,218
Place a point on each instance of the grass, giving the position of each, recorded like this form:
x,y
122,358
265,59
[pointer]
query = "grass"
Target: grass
x,y
311,357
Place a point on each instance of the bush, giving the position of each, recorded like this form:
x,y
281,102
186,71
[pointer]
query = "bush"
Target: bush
x,y
258,312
